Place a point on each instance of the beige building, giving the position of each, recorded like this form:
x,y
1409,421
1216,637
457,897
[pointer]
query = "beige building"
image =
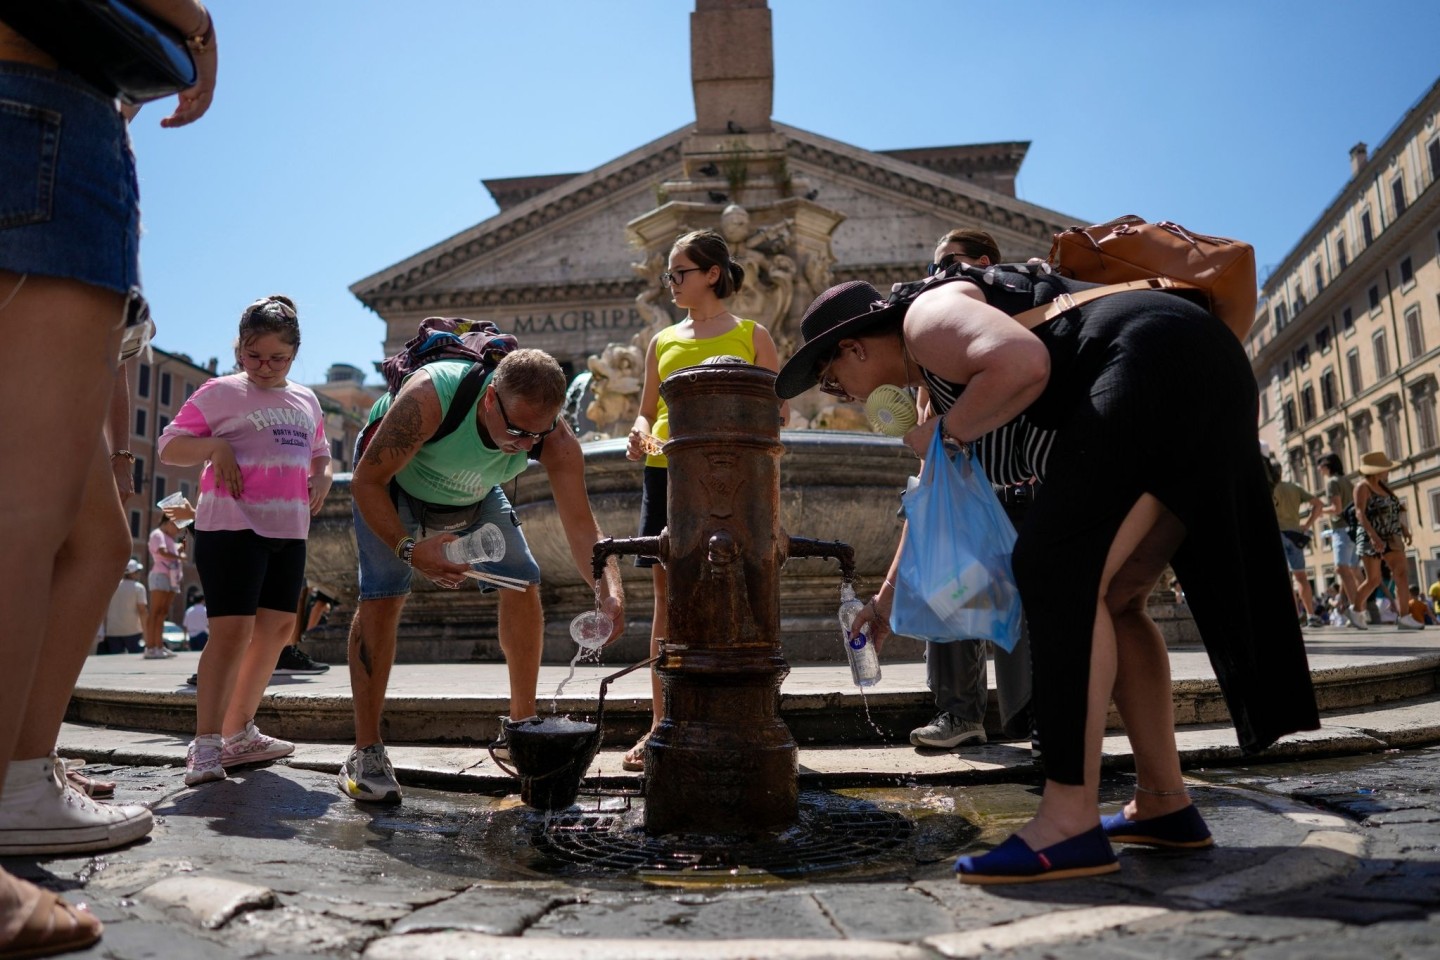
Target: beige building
x,y
346,401
1346,343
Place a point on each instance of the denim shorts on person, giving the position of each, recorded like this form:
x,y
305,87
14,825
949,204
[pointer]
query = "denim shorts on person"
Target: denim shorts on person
x,y
382,574
1294,555
161,580
69,200
1344,548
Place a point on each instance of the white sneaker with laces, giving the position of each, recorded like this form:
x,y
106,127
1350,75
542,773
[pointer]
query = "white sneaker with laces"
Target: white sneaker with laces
x,y
367,776
947,731
1357,619
1408,622
40,812
252,746
202,760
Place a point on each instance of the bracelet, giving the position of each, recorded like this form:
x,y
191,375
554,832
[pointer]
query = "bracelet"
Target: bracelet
x,y
204,40
123,453
883,618
1160,793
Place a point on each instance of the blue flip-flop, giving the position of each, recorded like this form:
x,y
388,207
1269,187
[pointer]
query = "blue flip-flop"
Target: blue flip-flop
x,y
1184,829
1086,855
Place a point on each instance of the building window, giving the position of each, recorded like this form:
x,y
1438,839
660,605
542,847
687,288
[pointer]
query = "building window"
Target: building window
x,y
1347,320
189,389
159,488
1422,400
165,388
1285,369
1282,317
1299,301
1390,430
142,381
1288,411
1319,277
140,422
1341,257
1329,396
139,474
1352,367
1373,295
1302,357
1366,230
1264,406
1414,333
1397,192
134,524
1297,465
1360,429
1335,437
1322,340
161,423
184,490
1382,355
1307,404
1435,507
1407,272
1435,159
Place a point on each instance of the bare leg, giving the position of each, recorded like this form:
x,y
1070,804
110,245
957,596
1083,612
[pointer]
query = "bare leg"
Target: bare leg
x,y
1349,583
41,491
371,655
659,625
1369,584
1067,810
219,668
522,628
160,603
271,633
1396,561
1307,596
89,565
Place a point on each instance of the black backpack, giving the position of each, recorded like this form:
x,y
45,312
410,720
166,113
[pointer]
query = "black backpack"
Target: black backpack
x,y
444,338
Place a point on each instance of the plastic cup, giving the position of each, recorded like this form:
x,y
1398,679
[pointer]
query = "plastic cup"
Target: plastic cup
x,y
479,546
174,500
651,444
591,629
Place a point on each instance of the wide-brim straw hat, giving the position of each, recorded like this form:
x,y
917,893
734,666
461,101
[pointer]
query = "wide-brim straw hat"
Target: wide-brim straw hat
x,y
1372,463
845,310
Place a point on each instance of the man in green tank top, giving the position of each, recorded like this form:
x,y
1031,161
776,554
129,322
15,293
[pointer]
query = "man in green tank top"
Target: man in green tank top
x,y
411,498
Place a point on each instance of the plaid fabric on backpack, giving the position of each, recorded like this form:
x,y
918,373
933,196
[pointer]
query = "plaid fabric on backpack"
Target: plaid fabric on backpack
x,y
444,338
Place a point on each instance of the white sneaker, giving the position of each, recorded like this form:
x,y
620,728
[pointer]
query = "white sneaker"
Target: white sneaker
x,y
202,759
252,746
1408,622
367,775
157,653
41,813
1357,619
948,731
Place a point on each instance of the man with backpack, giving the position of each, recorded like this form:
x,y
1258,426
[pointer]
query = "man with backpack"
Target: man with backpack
x,y
427,477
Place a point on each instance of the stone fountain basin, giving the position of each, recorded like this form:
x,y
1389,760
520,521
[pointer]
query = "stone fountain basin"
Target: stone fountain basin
x,y
834,485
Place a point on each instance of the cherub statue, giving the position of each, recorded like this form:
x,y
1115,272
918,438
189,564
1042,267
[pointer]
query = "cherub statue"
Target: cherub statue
x,y
616,376
769,272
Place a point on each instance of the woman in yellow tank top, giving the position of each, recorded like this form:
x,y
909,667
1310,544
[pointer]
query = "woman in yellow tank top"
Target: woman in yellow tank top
x,y
701,276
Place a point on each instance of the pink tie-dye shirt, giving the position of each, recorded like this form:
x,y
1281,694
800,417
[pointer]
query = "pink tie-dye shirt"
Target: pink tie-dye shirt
x,y
275,433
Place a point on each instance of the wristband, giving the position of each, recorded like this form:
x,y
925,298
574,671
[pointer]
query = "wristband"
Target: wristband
x,y
201,42
123,453
405,550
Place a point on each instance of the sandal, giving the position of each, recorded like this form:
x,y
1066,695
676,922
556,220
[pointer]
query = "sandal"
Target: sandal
x,y
52,926
87,785
634,760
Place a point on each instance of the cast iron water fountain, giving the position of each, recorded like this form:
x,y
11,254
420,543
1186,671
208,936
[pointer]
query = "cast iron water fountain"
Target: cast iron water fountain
x,y
721,786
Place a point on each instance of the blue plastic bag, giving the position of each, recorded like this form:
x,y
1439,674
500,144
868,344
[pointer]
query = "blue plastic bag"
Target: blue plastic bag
x,y
955,580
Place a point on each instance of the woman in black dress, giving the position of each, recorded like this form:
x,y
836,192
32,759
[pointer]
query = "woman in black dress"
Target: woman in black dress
x,y
1154,461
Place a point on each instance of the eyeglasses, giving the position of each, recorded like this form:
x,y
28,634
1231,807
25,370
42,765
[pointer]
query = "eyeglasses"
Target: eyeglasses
x,y
673,278
515,431
253,362
830,386
945,263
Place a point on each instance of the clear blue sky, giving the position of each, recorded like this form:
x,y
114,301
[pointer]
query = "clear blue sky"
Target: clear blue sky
x,y
347,135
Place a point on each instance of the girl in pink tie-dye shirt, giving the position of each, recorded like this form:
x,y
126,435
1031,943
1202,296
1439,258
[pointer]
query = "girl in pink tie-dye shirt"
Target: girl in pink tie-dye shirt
x,y
267,470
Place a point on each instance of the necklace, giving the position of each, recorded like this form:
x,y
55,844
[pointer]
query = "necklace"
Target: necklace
x,y
695,319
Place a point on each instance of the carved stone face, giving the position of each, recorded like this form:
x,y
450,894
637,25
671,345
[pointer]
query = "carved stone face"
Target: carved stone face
x,y
735,224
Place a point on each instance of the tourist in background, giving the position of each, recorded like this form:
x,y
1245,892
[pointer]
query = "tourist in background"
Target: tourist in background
x,y
167,573
1339,496
197,624
266,471
128,611
701,276
1294,535
1383,536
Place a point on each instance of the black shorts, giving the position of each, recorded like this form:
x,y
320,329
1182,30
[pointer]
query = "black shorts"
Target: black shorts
x,y
242,572
653,504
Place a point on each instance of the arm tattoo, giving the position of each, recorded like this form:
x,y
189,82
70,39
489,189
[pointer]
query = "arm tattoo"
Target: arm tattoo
x,y
402,431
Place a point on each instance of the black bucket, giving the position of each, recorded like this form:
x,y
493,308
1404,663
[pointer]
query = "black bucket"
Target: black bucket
x,y
551,756
550,762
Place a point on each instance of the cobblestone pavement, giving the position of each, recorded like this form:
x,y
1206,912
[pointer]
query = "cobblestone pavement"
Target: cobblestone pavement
x,y
1317,859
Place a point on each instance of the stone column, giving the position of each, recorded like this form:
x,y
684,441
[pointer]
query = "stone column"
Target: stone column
x,y
732,66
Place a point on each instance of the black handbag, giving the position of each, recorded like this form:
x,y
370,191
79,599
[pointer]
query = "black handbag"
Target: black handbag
x,y
121,50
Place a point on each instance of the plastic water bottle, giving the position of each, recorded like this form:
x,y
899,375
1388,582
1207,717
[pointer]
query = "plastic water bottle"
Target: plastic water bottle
x,y
864,662
478,546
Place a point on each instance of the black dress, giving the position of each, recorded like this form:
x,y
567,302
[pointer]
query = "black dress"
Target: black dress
x,y
1149,393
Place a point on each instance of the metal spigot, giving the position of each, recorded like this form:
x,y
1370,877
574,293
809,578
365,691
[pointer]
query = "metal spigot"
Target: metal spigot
x,y
838,549
627,547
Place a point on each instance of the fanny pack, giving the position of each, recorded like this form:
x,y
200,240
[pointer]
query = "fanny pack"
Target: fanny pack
x,y
437,517
1301,540
120,49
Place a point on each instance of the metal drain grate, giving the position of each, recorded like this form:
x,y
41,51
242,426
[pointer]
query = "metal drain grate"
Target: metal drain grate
x,y
833,833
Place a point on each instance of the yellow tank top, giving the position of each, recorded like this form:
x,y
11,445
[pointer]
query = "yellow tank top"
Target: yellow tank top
x,y
676,353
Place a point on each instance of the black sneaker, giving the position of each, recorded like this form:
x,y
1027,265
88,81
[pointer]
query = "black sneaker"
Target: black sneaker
x,y
194,680
293,660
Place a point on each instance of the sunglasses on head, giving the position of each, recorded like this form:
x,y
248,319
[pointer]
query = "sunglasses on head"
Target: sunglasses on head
x,y
517,432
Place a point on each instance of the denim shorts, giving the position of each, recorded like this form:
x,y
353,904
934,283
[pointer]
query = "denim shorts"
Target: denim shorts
x,y
1344,548
1294,555
382,574
69,200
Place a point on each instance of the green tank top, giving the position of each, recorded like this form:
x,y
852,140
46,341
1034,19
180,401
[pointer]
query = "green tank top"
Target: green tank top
x,y
676,353
460,469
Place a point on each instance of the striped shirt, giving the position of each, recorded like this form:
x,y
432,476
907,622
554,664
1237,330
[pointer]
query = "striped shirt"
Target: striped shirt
x,y
1011,455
